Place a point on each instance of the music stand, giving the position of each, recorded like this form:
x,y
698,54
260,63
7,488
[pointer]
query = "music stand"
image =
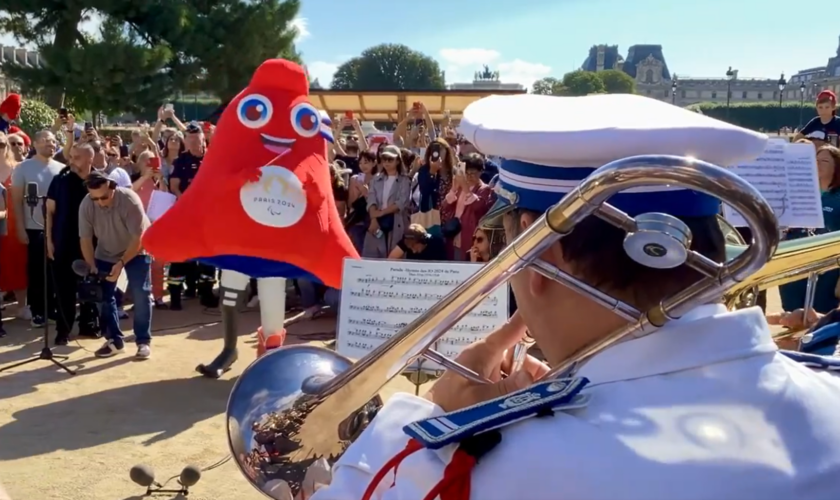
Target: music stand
x,y
46,353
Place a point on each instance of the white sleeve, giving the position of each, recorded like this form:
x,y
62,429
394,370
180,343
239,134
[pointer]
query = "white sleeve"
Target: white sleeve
x,y
383,439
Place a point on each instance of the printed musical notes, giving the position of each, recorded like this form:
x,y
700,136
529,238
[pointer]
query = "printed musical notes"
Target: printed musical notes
x,y
786,175
380,298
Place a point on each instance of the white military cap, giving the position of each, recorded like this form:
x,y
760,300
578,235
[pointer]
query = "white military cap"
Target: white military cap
x,y
549,144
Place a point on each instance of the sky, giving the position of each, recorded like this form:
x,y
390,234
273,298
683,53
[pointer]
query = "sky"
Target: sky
x,y
531,39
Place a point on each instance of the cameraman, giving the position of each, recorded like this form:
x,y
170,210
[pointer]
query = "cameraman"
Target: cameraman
x,y
115,217
65,195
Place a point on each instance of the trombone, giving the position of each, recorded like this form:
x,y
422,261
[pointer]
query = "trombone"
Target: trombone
x,y
306,403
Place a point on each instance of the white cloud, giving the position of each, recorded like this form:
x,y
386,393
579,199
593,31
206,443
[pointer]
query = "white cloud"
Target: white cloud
x,y
468,57
301,25
461,64
323,71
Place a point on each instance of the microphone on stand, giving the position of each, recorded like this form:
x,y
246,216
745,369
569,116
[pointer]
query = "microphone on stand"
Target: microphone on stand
x,y
189,476
80,268
143,475
32,197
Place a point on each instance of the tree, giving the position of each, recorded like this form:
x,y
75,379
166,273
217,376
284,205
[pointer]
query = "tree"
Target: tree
x,y
583,83
389,67
617,82
111,74
209,45
548,86
35,116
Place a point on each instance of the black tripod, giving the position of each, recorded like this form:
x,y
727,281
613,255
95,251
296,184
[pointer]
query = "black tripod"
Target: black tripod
x,y
46,353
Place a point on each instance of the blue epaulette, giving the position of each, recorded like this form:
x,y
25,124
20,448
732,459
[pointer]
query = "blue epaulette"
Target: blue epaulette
x,y
830,363
537,400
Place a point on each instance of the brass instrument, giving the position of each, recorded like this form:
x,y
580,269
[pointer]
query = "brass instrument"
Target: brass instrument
x,y
793,261
302,403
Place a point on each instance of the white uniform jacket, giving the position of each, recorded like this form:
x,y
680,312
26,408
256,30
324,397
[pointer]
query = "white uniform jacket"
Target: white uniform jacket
x,y
704,409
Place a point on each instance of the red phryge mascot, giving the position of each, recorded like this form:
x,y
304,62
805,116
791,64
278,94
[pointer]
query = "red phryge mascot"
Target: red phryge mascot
x,y
261,204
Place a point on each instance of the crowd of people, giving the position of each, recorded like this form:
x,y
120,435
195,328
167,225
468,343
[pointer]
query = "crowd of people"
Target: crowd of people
x,y
420,198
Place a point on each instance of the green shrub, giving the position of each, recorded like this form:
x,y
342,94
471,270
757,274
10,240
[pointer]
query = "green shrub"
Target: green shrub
x,y
767,116
35,116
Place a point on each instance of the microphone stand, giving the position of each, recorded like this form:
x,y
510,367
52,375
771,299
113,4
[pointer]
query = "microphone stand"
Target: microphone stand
x,y
46,353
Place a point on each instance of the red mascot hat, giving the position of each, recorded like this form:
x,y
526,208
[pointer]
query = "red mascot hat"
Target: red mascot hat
x,y
11,107
262,201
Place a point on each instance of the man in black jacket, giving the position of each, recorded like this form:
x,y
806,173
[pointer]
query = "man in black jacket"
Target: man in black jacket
x,y
65,194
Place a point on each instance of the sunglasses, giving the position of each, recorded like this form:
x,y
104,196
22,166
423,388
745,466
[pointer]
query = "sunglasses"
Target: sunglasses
x,y
16,144
99,198
478,239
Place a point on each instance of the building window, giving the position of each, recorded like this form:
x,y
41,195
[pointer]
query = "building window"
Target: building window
x,y
648,92
744,94
714,95
682,94
649,76
760,96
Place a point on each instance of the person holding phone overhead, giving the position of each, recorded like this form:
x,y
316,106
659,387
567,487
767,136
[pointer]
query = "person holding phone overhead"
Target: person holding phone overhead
x,y
151,180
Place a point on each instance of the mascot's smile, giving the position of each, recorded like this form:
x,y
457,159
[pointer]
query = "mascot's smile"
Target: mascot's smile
x,y
277,145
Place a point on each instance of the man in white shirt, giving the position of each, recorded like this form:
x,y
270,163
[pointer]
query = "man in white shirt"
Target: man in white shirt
x,y
40,169
703,408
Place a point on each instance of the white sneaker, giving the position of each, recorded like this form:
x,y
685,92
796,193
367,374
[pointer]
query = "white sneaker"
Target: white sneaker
x,y
108,349
143,351
24,313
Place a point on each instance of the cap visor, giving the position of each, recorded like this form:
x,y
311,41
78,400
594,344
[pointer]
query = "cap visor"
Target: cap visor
x,y
493,218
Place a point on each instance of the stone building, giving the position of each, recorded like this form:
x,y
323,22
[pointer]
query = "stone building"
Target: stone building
x,y
807,83
18,56
647,65
485,80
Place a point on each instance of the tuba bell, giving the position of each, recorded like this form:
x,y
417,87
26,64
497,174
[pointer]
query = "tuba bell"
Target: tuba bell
x,y
299,404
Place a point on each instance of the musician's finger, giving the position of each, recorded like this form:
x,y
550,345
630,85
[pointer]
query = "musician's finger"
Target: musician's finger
x,y
535,368
508,334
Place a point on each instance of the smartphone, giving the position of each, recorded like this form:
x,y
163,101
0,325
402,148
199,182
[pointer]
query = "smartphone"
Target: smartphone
x,y
169,107
88,126
154,162
348,115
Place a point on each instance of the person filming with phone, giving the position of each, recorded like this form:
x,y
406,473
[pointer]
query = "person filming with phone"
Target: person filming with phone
x,y
116,218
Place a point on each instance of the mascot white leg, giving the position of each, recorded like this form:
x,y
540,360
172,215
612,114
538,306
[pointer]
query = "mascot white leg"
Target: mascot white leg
x,y
231,287
272,293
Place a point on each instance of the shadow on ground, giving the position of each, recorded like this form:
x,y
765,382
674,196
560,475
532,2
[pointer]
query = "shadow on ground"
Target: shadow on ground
x,y
167,407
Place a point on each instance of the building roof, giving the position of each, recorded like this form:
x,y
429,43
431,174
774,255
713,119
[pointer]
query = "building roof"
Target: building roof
x,y
638,53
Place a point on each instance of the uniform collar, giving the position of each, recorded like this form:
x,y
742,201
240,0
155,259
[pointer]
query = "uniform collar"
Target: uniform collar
x,y
704,336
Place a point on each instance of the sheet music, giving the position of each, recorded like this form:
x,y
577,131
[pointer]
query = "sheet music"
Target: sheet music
x,y
786,175
381,297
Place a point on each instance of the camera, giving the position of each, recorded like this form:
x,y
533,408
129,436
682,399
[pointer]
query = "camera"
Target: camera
x,y
90,289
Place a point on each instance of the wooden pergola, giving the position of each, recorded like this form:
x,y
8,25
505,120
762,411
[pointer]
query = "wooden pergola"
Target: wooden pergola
x,y
391,106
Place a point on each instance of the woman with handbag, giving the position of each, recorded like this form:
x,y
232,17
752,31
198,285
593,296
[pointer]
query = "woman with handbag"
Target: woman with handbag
x,y
387,204
434,181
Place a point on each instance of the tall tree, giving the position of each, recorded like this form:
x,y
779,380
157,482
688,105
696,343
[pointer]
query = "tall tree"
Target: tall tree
x,y
389,67
548,86
111,74
583,83
617,82
209,45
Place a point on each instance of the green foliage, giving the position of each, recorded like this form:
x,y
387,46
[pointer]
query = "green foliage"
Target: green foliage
x,y
767,116
147,48
35,116
582,82
547,86
617,82
389,67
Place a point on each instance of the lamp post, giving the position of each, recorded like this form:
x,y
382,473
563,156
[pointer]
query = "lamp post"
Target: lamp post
x,y
801,102
674,89
730,75
782,85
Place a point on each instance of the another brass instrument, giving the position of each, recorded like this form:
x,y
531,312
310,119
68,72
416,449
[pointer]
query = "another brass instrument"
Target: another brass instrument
x,y
301,403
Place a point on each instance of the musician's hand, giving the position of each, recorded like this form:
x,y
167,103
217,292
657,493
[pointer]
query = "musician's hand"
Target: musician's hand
x,y
50,250
488,358
793,319
317,476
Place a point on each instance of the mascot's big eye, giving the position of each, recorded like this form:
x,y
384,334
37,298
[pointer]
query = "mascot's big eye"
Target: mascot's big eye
x,y
306,120
254,111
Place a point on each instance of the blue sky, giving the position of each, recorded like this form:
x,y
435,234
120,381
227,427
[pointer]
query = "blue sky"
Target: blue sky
x,y
528,39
